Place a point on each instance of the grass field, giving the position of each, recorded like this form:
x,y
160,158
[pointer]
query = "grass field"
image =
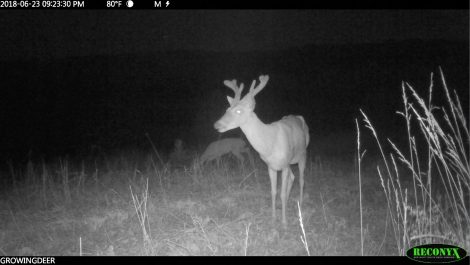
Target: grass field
x,y
73,209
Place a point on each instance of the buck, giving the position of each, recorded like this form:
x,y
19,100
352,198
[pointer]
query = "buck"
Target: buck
x,y
217,149
279,144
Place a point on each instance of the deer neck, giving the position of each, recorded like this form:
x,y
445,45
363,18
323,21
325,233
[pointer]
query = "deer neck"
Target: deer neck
x,y
260,135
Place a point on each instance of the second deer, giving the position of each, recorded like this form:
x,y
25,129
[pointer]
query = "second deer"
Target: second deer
x,y
217,149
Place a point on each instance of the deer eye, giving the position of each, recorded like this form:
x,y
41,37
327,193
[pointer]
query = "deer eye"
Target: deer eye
x,y
238,111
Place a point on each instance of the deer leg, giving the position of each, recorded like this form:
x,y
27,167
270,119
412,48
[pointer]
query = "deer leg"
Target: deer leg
x,y
250,156
285,175
240,157
273,178
302,163
290,180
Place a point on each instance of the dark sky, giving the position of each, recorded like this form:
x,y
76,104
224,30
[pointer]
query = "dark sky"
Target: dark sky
x,y
70,33
59,97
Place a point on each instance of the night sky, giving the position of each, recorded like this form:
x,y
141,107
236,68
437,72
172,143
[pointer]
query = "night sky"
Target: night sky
x,y
75,79
92,32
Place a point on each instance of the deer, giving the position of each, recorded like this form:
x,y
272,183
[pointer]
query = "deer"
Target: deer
x,y
279,144
180,155
217,149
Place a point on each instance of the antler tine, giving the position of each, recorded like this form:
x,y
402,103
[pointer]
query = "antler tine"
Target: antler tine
x,y
253,85
263,81
233,85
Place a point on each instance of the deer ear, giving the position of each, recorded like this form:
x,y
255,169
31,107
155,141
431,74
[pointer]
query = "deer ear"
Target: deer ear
x,y
230,100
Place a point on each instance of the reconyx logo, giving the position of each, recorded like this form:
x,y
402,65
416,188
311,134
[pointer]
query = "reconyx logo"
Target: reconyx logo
x,y
436,253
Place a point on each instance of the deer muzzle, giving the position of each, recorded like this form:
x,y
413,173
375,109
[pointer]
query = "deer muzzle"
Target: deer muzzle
x,y
220,126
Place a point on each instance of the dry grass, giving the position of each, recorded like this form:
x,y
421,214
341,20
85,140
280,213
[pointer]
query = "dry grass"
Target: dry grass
x,y
428,187
137,206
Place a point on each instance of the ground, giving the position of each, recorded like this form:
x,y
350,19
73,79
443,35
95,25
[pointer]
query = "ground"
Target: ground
x,y
136,205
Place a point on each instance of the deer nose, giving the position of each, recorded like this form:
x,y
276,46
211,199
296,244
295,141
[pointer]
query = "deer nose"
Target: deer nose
x,y
217,125
220,126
